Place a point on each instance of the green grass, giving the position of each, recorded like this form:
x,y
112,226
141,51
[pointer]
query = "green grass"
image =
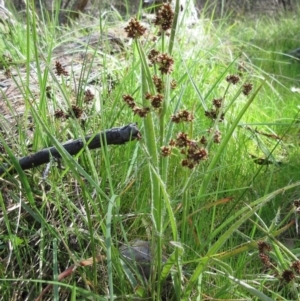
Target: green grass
x,y
208,220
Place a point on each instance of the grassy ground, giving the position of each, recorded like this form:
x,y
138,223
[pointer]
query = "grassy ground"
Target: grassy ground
x,y
213,184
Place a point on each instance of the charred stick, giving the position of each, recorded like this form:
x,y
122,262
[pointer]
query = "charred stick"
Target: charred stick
x,y
119,135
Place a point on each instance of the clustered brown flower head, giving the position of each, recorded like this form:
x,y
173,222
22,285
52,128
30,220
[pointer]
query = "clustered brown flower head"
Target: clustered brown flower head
x,y
88,96
164,61
164,17
134,29
194,153
152,56
156,100
74,111
142,112
265,259
158,83
173,84
286,275
203,140
215,112
296,266
182,116
232,79
263,248
129,100
59,114
247,88
60,70
217,137
166,151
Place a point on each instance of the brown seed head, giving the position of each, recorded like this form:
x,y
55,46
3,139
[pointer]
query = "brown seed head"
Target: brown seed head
x,y
156,100
152,56
173,84
129,100
232,79
247,88
134,29
59,114
182,140
142,112
166,151
60,70
296,266
164,17
203,140
182,116
217,137
265,259
165,63
74,111
263,246
217,102
158,83
88,96
288,275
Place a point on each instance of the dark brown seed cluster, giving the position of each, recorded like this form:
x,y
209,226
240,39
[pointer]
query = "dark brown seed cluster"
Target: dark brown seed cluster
x,y
74,112
134,29
164,17
182,116
296,266
215,112
142,112
59,114
232,79
60,70
203,140
263,248
166,151
288,276
158,83
194,153
173,84
247,88
129,100
165,63
88,96
157,100
152,56
265,259
217,137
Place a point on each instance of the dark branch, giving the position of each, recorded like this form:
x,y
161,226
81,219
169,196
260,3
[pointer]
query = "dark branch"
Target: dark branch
x,y
119,135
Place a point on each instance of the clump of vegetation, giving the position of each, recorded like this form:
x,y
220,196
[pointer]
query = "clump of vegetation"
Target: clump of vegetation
x,y
209,190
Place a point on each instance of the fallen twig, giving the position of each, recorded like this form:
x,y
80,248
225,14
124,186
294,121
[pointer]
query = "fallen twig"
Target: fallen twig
x,y
119,135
